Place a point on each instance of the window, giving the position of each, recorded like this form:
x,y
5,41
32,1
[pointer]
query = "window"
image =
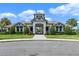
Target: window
x,y
19,28
60,28
57,28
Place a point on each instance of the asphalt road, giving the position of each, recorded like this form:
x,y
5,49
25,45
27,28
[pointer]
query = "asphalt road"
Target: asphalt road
x,y
39,48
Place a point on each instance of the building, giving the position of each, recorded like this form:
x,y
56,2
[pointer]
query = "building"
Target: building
x,y
38,25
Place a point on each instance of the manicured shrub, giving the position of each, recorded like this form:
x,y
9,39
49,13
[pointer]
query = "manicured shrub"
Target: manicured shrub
x,y
59,33
26,30
52,30
47,33
12,30
69,31
19,32
30,33
1,33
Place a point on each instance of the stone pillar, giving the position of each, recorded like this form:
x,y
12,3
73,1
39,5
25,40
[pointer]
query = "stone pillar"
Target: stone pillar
x,y
15,29
7,29
34,28
62,29
44,26
49,29
23,28
58,29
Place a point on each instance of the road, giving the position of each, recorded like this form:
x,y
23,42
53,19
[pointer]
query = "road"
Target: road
x,y
40,48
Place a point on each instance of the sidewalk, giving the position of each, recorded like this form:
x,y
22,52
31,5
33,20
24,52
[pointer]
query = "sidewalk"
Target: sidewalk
x,y
39,37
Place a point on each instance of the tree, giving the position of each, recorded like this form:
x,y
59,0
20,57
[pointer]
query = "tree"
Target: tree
x,y
72,22
5,21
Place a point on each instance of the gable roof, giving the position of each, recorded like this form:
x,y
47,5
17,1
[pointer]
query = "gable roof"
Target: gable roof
x,y
8,26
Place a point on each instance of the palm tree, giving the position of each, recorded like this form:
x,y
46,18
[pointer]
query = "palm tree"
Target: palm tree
x,y
72,22
5,21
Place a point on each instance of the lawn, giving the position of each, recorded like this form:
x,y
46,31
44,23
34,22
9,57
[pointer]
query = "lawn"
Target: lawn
x,y
14,36
63,36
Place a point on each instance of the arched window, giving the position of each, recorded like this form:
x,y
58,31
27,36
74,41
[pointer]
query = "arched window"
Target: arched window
x,y
19,28
59,28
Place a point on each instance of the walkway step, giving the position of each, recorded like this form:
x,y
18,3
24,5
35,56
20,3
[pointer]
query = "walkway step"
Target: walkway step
x,y
39,37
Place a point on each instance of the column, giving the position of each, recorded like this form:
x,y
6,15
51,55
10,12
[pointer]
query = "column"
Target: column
x,y
44,26
15,29
34,28
23,28
58,29
62,28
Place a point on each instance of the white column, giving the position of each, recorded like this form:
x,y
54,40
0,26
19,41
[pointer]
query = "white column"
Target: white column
x,y
44,26
23,28
62,28
34,28
7,29
15,29
19,29
58,29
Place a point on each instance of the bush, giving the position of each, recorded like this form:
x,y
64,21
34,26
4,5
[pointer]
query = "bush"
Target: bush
x,y
59,33
52,30
26,30
12,30
1,33
69,31
30,33
47,33
19,32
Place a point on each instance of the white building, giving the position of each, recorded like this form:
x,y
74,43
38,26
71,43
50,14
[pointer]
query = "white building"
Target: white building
x,y
38,25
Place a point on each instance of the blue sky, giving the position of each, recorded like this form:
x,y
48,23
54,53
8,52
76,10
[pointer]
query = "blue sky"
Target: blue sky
x,y
17,12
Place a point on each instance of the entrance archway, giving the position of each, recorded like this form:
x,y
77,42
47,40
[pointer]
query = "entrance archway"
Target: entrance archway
x,y
39,28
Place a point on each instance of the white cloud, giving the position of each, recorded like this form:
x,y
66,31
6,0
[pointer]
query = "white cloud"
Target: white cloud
x,y
27,15
7,15
49,19
72,9
27,12
40,11
78,22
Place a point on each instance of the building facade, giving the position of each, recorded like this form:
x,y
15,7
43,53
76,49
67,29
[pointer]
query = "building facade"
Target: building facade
x,y
38,25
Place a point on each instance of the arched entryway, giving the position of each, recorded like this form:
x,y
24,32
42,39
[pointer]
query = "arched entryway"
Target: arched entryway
x,y
38,28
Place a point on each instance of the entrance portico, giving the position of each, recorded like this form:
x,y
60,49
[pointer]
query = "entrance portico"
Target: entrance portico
x,y
39,27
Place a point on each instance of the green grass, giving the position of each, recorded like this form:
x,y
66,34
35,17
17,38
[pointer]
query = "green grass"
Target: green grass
x,y
63,36
14,36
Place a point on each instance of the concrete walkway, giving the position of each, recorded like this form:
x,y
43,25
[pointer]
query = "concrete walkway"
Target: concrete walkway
x,y
39,37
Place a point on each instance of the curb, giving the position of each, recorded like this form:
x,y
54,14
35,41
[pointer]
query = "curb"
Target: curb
x,y
15,40
64,39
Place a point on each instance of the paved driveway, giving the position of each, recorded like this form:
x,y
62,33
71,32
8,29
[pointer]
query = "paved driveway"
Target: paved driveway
x,y
39,48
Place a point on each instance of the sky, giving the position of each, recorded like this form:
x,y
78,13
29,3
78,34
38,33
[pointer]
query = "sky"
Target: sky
x,y
21,12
